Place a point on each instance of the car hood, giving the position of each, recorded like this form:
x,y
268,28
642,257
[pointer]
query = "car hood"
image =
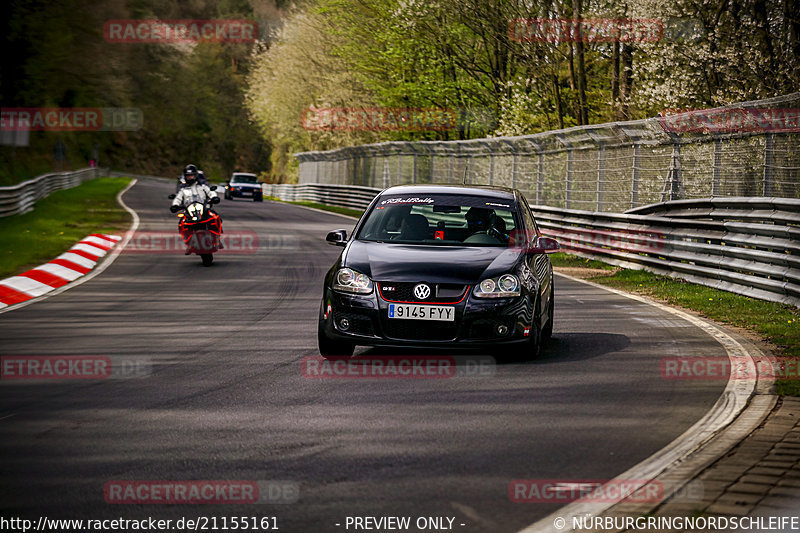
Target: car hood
x,y
436,264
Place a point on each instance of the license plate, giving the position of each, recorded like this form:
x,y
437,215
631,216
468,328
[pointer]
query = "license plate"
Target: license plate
x,y
422,312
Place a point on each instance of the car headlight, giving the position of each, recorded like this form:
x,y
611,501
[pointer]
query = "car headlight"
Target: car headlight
x,y
504,286
348,280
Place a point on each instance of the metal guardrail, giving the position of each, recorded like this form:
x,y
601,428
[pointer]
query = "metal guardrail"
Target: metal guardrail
x,y
748,246
604,167
20,198
350,196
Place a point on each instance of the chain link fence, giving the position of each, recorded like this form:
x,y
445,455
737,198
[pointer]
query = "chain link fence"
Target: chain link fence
x,y
749,149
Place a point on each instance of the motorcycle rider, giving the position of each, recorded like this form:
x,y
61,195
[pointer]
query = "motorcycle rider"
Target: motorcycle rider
x,y
192,192
191,169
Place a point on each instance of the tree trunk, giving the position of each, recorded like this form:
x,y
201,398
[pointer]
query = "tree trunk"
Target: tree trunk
x,y
615,73
583,111
626,85
557,94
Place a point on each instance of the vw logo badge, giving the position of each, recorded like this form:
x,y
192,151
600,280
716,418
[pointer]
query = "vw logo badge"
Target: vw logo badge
x,y
422,291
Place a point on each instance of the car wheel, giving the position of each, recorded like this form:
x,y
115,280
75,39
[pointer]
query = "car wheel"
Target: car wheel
x,y
329,348
527,350
207,259
258,198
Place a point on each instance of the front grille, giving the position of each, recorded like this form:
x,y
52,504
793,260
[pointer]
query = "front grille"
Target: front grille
x,y
359,324
404,292
419,330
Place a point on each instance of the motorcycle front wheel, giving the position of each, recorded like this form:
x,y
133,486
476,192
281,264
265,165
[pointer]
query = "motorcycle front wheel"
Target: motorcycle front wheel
x,y
207,259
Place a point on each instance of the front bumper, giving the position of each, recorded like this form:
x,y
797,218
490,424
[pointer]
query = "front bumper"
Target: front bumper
x,y
244,192
363,320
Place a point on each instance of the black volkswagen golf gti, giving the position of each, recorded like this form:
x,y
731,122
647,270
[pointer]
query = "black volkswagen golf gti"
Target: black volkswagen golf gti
x,y
440,266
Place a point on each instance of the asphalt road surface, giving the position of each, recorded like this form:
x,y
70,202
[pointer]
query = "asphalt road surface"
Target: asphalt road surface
x,y
219,393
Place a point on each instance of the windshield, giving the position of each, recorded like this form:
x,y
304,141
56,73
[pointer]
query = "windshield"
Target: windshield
x,y
244,179
440,219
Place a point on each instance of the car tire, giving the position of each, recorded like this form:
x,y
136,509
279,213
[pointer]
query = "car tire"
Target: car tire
x,y
207,259
258,198
331,349
525,351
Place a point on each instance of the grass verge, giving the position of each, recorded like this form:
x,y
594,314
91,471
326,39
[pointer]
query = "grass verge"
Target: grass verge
x,y
332,208
773,322
58,222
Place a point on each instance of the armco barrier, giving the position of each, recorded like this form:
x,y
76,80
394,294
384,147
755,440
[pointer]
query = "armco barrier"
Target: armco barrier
x,y
749,246
351,196
20,198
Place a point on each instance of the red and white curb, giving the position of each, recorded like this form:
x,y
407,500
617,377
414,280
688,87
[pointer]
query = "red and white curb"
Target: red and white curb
x,y
69,266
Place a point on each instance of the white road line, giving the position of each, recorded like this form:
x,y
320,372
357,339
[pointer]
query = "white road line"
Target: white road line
x,y
728,406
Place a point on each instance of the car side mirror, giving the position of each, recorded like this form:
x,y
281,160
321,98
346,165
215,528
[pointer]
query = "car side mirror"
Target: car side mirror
x,y
547,245
171,196
337,237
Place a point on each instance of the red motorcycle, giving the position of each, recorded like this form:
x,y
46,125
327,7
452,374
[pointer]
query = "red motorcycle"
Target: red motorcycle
x,y
201,230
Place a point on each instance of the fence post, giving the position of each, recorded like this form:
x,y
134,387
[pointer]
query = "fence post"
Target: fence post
x,y
635,177
568,184
601,170
676,181
769,143
717,164
414,171
514,162
450,167
399,169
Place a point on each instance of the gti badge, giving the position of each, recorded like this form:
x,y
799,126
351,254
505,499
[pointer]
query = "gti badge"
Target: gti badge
x,y
422,291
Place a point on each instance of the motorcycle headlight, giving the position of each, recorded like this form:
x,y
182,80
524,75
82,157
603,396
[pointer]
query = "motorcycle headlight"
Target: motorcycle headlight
x,y
348,280
504,286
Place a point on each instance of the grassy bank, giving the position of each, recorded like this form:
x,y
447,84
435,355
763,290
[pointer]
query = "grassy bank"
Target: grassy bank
x,y
775,323
58,222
